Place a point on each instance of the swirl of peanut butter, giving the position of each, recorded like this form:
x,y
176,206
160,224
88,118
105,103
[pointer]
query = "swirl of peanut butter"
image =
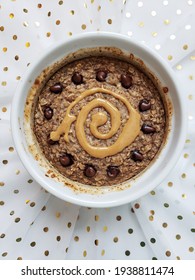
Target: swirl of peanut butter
x,y
129,132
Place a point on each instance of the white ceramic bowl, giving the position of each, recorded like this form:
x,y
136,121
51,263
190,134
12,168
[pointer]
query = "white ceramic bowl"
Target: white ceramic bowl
x,y
135,188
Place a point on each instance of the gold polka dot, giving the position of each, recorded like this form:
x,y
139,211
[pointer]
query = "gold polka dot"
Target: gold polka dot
x,y
17,171
5,69
11,15
191,77
103,252
58,22
115,239
27,201
25,11
118,218
72,12
39,6
49,14
190,96
178,258
97,218
4,83
137,206
191,249
105,228
45,229
76,238
152,212
1,28
58,238
186,156
185,47
46,253
18,78
184,196
141,24
15,37
27,44
152,192
33,244
2,184
151,218
179,67
85,5
83,26
92,1
69,33
17,220
2,203
48,34
4,49
88,228
170,57
178,236
154,34
96,242
5,161
192,57
4,109
60,2
58,215
109,21
183,175
84,253
99,8
168,253
170,184
166,21
4,254
16,57
69,224
165,225
25,23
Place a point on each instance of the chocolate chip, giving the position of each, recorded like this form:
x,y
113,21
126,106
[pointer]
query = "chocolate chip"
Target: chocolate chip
x,y
136,155
89,171
66,160
77,78
147,129
57,88
48,113
144,105
50,141
126,80
101,75
113,171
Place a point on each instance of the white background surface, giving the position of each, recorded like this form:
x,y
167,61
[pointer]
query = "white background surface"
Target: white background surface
x,y
36,225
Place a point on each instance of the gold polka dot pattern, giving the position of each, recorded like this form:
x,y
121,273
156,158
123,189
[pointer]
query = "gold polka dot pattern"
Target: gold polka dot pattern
x,y
40,226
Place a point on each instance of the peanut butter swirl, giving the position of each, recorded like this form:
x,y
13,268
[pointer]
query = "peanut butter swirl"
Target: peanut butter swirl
x,y
129,132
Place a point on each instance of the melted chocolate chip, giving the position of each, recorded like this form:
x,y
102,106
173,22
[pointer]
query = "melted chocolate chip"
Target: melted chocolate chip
x,y
101,75
144,105
57,88
66,160
136,155
147,129
113,171
89,171
48,113
126,80
50,141
77,78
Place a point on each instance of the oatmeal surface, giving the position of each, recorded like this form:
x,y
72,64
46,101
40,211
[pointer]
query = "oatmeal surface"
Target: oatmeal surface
x,y
122,79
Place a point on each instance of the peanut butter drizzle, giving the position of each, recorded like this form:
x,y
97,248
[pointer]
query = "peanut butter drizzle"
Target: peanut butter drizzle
x,y
129,132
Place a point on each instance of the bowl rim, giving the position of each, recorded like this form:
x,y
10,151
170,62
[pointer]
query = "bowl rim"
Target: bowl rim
x,y
86,200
